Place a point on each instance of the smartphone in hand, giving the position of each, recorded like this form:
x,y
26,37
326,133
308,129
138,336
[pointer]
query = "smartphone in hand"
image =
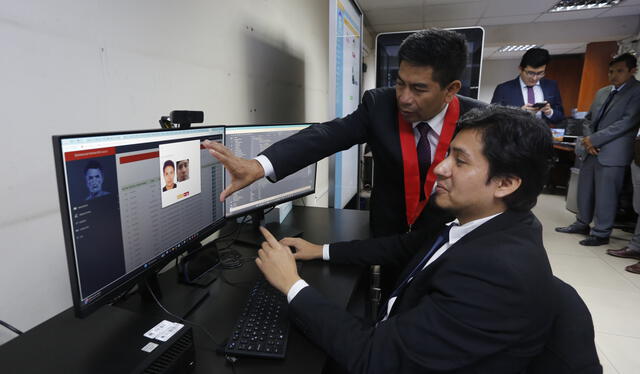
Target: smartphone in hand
x,y
539,105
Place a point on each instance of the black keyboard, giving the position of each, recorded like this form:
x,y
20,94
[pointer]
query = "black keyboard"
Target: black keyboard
x,y
263,327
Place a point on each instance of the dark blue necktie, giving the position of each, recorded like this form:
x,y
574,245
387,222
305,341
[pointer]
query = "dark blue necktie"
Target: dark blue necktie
x,y
441,239
604,108
424,154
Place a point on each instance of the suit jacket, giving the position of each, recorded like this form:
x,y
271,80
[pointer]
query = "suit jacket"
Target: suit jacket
x,y
481,307
617,127
509,93
374,122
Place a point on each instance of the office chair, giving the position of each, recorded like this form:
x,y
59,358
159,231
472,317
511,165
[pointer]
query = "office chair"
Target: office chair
x,y
570,347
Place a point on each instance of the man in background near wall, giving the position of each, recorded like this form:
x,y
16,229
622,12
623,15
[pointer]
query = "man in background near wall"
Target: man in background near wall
x,y
408,128
531,88
606,149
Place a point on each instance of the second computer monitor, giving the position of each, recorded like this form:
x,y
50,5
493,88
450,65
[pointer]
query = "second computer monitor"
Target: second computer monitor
x,y
248,142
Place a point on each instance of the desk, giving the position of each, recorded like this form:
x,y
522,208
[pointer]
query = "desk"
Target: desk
x,y
65,344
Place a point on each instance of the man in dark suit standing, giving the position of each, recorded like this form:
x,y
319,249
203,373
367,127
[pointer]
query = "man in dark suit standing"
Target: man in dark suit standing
x,y
407,127
531,88
472,299
606,150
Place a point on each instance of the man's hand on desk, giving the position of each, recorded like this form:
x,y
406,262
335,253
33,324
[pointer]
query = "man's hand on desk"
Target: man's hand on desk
x,y
277,263
304,249
243,171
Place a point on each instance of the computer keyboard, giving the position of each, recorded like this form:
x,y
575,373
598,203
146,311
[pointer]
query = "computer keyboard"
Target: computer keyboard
x,y
263,327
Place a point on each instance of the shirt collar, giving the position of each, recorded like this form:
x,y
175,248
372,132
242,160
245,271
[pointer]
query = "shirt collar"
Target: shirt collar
x,y
459,231
619,88
436,122
523,85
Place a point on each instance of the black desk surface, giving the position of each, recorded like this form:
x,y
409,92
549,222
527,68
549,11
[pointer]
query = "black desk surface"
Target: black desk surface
x,y
65,344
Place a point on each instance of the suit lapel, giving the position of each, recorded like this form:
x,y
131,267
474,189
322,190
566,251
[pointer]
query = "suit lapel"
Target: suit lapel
x,y
517,92
497,224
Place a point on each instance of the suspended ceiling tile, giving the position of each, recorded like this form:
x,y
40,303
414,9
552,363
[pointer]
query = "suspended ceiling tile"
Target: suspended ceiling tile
x,y
498,8
565,16
399,27
384,4
453,11
507,20
621,11
394,16
451,24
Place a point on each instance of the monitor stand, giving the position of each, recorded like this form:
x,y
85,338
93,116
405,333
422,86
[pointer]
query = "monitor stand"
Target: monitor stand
x,y
177,298
250,233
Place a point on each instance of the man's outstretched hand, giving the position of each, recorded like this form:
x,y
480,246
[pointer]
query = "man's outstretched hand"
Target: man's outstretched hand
x,y
243,171
276,262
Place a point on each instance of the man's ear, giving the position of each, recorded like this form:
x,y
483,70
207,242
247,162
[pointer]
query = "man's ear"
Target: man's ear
x,y
452,89
507,186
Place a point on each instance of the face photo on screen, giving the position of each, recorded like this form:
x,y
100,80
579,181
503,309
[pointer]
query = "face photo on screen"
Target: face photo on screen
x,y
168,173
94,178
185,173
182,167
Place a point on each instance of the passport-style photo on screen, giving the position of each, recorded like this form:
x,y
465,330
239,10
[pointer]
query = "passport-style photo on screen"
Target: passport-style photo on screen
x,y
179,171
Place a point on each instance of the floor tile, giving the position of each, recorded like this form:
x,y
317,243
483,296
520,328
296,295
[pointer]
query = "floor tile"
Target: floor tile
x,y
620,351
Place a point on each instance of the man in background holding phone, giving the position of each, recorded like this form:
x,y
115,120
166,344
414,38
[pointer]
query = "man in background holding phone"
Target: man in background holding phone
x,y
530,91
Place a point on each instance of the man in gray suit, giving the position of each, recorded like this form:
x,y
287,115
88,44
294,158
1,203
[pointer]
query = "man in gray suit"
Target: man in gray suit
x,y
632,249
605,150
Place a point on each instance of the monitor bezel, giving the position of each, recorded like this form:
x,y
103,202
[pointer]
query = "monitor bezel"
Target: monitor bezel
x,y
277,202
127,280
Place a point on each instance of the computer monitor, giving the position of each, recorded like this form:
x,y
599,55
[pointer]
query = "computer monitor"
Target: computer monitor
x,y
247,142
131,202
388,62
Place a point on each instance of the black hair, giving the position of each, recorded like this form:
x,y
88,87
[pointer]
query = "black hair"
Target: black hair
x,y
516,144
535,57
629,59
93,164
442,50
168,163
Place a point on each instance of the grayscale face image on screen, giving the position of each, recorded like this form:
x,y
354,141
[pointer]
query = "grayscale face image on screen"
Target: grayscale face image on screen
x,y
248,142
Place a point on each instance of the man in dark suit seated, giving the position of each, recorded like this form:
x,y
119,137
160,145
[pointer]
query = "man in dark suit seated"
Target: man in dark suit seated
x,y
530,88
477,297
408,129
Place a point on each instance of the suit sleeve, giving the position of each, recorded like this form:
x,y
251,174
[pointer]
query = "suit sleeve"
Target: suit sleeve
x,y
395,250
321,140
475,310
498,95
556,104
628,121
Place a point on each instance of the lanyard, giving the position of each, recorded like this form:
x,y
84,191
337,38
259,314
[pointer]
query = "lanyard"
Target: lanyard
x,y
410,160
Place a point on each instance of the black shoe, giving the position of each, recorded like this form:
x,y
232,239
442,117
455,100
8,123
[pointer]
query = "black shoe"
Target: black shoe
x,y
593,241
574,228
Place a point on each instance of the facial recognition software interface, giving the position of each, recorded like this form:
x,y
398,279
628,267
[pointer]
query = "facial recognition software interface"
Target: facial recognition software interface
x,y
248,142
136,197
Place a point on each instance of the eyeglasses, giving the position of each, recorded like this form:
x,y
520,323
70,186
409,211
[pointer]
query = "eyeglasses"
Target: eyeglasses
x,y
533,74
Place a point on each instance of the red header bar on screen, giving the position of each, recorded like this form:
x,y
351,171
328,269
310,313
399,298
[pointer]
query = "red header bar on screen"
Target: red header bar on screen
x,y
89,153
139,157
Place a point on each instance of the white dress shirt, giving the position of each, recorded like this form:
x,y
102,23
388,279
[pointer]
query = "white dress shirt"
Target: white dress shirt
x,y
538,96
435,125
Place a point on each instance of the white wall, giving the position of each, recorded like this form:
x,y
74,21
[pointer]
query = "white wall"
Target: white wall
x,y
83,66
495,72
